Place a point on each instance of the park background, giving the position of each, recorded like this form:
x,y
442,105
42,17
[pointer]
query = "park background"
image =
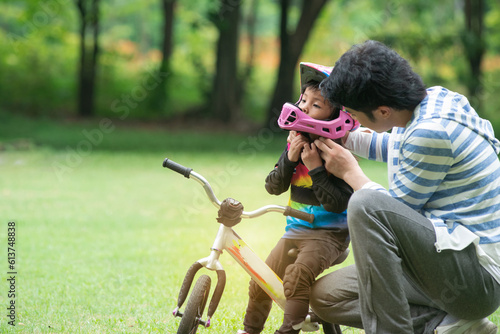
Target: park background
x,y
95,94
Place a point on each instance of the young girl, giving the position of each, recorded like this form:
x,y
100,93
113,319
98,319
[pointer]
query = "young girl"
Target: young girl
x,y
312,190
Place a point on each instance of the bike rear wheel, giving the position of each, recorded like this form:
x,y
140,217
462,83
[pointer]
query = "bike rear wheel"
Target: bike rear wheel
x,y
195,306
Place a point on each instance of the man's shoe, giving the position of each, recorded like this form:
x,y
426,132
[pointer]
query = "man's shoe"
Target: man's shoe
x,y
481,326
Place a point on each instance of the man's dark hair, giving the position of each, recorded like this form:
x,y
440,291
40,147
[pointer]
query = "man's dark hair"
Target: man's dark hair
x,y
370,75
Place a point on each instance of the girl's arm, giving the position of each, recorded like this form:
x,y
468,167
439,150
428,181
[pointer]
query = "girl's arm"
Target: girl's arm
x,y
332,192
278,180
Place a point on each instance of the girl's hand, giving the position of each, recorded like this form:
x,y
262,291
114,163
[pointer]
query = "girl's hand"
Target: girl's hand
x,y
292,134
296,145
310,156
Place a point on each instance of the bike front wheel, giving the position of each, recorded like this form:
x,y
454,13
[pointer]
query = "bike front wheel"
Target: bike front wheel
x,y
195,306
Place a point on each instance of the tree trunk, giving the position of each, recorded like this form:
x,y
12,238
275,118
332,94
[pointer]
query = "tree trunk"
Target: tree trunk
x,y
159,97
224,102
474,45
89,52
291,48
168,32
251,25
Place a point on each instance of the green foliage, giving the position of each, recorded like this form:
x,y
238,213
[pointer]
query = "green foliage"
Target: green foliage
x,y
492,22
425,33
37,63
39,58
492,98
138,22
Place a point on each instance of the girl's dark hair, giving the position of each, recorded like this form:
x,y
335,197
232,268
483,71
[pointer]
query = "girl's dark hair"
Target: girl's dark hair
x,y
310,84
370,75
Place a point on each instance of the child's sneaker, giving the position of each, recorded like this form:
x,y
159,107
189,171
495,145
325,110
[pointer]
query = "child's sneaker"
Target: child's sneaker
x,y
240,331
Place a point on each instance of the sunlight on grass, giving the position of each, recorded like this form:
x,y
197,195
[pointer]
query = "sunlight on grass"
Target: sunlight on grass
x,y
105,247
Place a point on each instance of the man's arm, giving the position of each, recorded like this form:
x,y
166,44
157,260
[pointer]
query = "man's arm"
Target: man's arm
x,y
425,161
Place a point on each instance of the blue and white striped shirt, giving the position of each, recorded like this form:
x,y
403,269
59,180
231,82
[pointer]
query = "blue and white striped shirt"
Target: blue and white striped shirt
x,y
444,164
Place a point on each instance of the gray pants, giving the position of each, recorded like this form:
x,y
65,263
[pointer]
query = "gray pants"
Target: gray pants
x,y
399,283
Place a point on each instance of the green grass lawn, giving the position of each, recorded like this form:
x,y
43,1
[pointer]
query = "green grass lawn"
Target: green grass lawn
x,y
104,234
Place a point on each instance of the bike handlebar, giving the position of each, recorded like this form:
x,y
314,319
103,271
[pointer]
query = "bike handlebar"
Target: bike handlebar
x,y
308,217
189,173
177,167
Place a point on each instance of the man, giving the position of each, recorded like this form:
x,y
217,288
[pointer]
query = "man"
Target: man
x,y
427,250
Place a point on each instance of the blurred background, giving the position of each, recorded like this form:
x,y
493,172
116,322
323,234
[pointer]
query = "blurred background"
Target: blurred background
x,y
94,94
227,61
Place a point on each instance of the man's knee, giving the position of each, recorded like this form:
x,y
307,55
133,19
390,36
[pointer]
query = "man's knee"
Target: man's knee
x,y
362,200
361,203
320,299
317,296
336,287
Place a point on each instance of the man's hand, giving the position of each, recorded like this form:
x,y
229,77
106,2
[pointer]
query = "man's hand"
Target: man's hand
x,y
341,163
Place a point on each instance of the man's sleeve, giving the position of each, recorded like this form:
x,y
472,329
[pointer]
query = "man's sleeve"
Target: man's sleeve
x,y
425,159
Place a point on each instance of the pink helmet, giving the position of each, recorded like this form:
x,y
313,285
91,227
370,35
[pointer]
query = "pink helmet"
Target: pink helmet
x,y
313,72
293,118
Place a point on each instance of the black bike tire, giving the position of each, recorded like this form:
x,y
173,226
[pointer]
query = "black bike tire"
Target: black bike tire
x,y
195,306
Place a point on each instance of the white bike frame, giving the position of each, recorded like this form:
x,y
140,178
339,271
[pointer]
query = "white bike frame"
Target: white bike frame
x,y
227,239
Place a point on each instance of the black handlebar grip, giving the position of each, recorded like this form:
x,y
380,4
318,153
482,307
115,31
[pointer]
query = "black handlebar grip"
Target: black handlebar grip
x,y
177,168
308,217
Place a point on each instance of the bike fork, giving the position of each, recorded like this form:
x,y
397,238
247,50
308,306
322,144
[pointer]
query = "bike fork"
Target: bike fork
x,y
186,285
